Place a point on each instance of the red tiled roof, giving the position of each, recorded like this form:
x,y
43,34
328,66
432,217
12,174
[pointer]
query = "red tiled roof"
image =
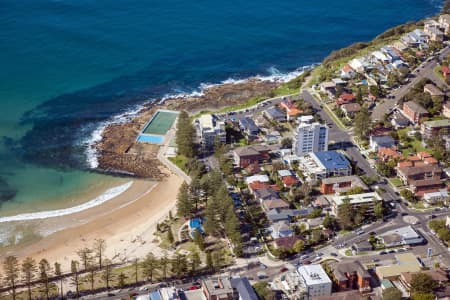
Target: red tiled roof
x,y
445,69
257,185
347,68
286,242
404,164
289,180
414,158
424,154
347,97
388,152
430,160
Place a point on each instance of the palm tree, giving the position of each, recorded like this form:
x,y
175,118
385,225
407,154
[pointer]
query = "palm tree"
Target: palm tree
x,y
11,269
29,269
44,270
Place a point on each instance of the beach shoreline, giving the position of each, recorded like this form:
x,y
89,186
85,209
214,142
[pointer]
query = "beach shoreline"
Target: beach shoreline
x,y
126,223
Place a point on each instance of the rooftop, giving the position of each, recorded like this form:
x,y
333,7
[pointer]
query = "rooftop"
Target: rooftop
x,y
406,232
357,198
437,123
244,288
313,274
251,150
342,268
415,107
433,90
218,286
406,262
331,159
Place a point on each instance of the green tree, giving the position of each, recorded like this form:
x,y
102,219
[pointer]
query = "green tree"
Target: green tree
x,y
184,203
85,255
198,240
44,274
378,210
329,222
408,195
58,273
361,126
136,270
107,275
99,249
149,265
11,270
170,237
75,269
286,143
179,265
346,214
28,273
392,294
263,291
299,246
195,261
185,135
423,296
209,261
122,278
422,283
163,263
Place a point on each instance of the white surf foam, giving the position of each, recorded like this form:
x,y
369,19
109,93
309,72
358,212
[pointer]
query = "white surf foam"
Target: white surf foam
x,y
107,195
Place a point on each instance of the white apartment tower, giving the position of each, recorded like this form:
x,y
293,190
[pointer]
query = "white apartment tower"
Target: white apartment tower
x,y
310,138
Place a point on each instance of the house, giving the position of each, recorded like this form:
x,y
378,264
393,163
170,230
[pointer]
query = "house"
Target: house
x,y
430,128
399,120
401,236
286,242
433,90
274,114
445,71
309,119
350,109
248,127
289,181
218,289
435,197
245,156
362,246
291,109
268,205
281,229
444,23
256,185
446,109
435,35
414,111
347,72
323,164
345,98
384,141
341,184
253,168
386,154
209,130
380,56
315,280
391,53
404,262
257,178
351,275
243,289
328,87
284,173
356,201
277,215
264,194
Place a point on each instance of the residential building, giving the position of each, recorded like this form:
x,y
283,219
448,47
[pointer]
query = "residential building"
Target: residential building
x,y
245,156
243,289
310,138
356,201
444,23
278,214
328,87
435,35
350,109
265,194
185,295
347,72
429,24
316,280
446,109
345,98
386,154
414,111
248,127
362,246
422,178
399,120
430,128
445,71
286,242
257,178
438,275
384,141
281,229
210,129
401,236
309,119
404,262
291,109
218,289
268,205
433,90
318,165
351,275
341,184
433,198
274,114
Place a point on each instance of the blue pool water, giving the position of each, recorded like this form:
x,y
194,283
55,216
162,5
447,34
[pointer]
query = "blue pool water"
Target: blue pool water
x,y
153,139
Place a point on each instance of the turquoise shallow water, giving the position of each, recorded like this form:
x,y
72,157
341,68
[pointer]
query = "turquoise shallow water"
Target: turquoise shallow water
x,y
68,66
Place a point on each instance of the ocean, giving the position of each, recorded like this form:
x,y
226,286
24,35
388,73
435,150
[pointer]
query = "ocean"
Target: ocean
x,y
71,66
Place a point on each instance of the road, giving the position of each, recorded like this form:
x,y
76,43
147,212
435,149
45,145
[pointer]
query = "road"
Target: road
x,y
424,70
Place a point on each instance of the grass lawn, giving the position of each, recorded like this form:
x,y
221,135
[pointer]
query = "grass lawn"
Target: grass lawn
x,y
395,181
438,73
348,252
180,161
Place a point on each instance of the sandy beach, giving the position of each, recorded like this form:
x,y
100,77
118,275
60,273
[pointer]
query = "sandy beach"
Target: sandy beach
x,y
127,223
